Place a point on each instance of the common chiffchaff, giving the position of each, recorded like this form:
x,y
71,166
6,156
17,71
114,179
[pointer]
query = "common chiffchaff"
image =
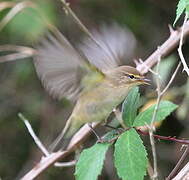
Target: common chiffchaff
x,y
92,75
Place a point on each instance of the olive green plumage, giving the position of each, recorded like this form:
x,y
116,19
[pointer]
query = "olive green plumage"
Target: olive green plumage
x,y
92,78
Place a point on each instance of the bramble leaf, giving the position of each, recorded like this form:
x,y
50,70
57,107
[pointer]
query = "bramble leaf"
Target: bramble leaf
x,y
91,162
181,7
130,106
130,156
145,117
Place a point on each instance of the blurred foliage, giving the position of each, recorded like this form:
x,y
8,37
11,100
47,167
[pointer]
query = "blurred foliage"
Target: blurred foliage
x,y
21,90
33,21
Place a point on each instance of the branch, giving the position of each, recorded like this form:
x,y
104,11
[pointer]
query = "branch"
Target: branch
x,y
20,52
183,174
183,157
169,45
78,138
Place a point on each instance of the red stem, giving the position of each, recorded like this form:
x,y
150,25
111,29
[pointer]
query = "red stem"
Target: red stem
x,y
167,138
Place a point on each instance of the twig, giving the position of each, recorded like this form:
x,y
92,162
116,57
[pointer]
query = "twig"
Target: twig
x,y
21,52
183,157
33,135
78,138
150,170
23,49
171,80
15,10
65,164
151,129
82,26
159,94
182,141
41,146
185,67
170,44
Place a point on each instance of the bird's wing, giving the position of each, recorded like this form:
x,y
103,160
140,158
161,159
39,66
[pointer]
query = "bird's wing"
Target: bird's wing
x,y
116,45
60,67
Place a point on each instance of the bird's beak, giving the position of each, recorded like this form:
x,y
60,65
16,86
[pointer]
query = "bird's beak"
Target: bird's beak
x,y
144,80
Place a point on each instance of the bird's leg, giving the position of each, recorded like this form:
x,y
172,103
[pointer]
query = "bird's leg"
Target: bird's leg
x,y
109,126
95,133
119,129
119,117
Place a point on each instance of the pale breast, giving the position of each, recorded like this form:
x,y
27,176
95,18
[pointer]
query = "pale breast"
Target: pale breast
x,y
97,104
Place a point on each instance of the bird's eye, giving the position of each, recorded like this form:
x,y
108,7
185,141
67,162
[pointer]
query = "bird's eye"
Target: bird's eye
x,y
131,77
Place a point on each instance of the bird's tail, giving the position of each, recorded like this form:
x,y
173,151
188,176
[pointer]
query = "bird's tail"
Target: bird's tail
x,y
61,142
61,137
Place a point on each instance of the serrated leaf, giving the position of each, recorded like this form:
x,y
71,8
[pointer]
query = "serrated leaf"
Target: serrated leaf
x,y
91,162
182,5
130,106
130,156
145,117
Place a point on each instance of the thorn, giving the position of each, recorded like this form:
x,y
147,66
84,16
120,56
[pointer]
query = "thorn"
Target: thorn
x,y
136,62
114,110
179,29
171,30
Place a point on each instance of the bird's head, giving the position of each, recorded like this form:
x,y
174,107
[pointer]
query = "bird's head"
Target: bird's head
x,y
126,76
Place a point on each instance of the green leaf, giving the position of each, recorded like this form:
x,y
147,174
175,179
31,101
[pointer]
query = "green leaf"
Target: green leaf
x,y
130,156
145,117
91,162
182,5
130,106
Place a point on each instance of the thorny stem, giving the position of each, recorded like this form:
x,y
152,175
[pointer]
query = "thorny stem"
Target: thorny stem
x,y
167,138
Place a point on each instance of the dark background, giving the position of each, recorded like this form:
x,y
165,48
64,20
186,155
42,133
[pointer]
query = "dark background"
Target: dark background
x,y
21,90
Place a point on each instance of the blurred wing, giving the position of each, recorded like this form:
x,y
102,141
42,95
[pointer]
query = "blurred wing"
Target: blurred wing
x,y
116,43
59,67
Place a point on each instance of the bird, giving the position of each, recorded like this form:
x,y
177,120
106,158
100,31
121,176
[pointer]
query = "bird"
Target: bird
x,y
90,73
